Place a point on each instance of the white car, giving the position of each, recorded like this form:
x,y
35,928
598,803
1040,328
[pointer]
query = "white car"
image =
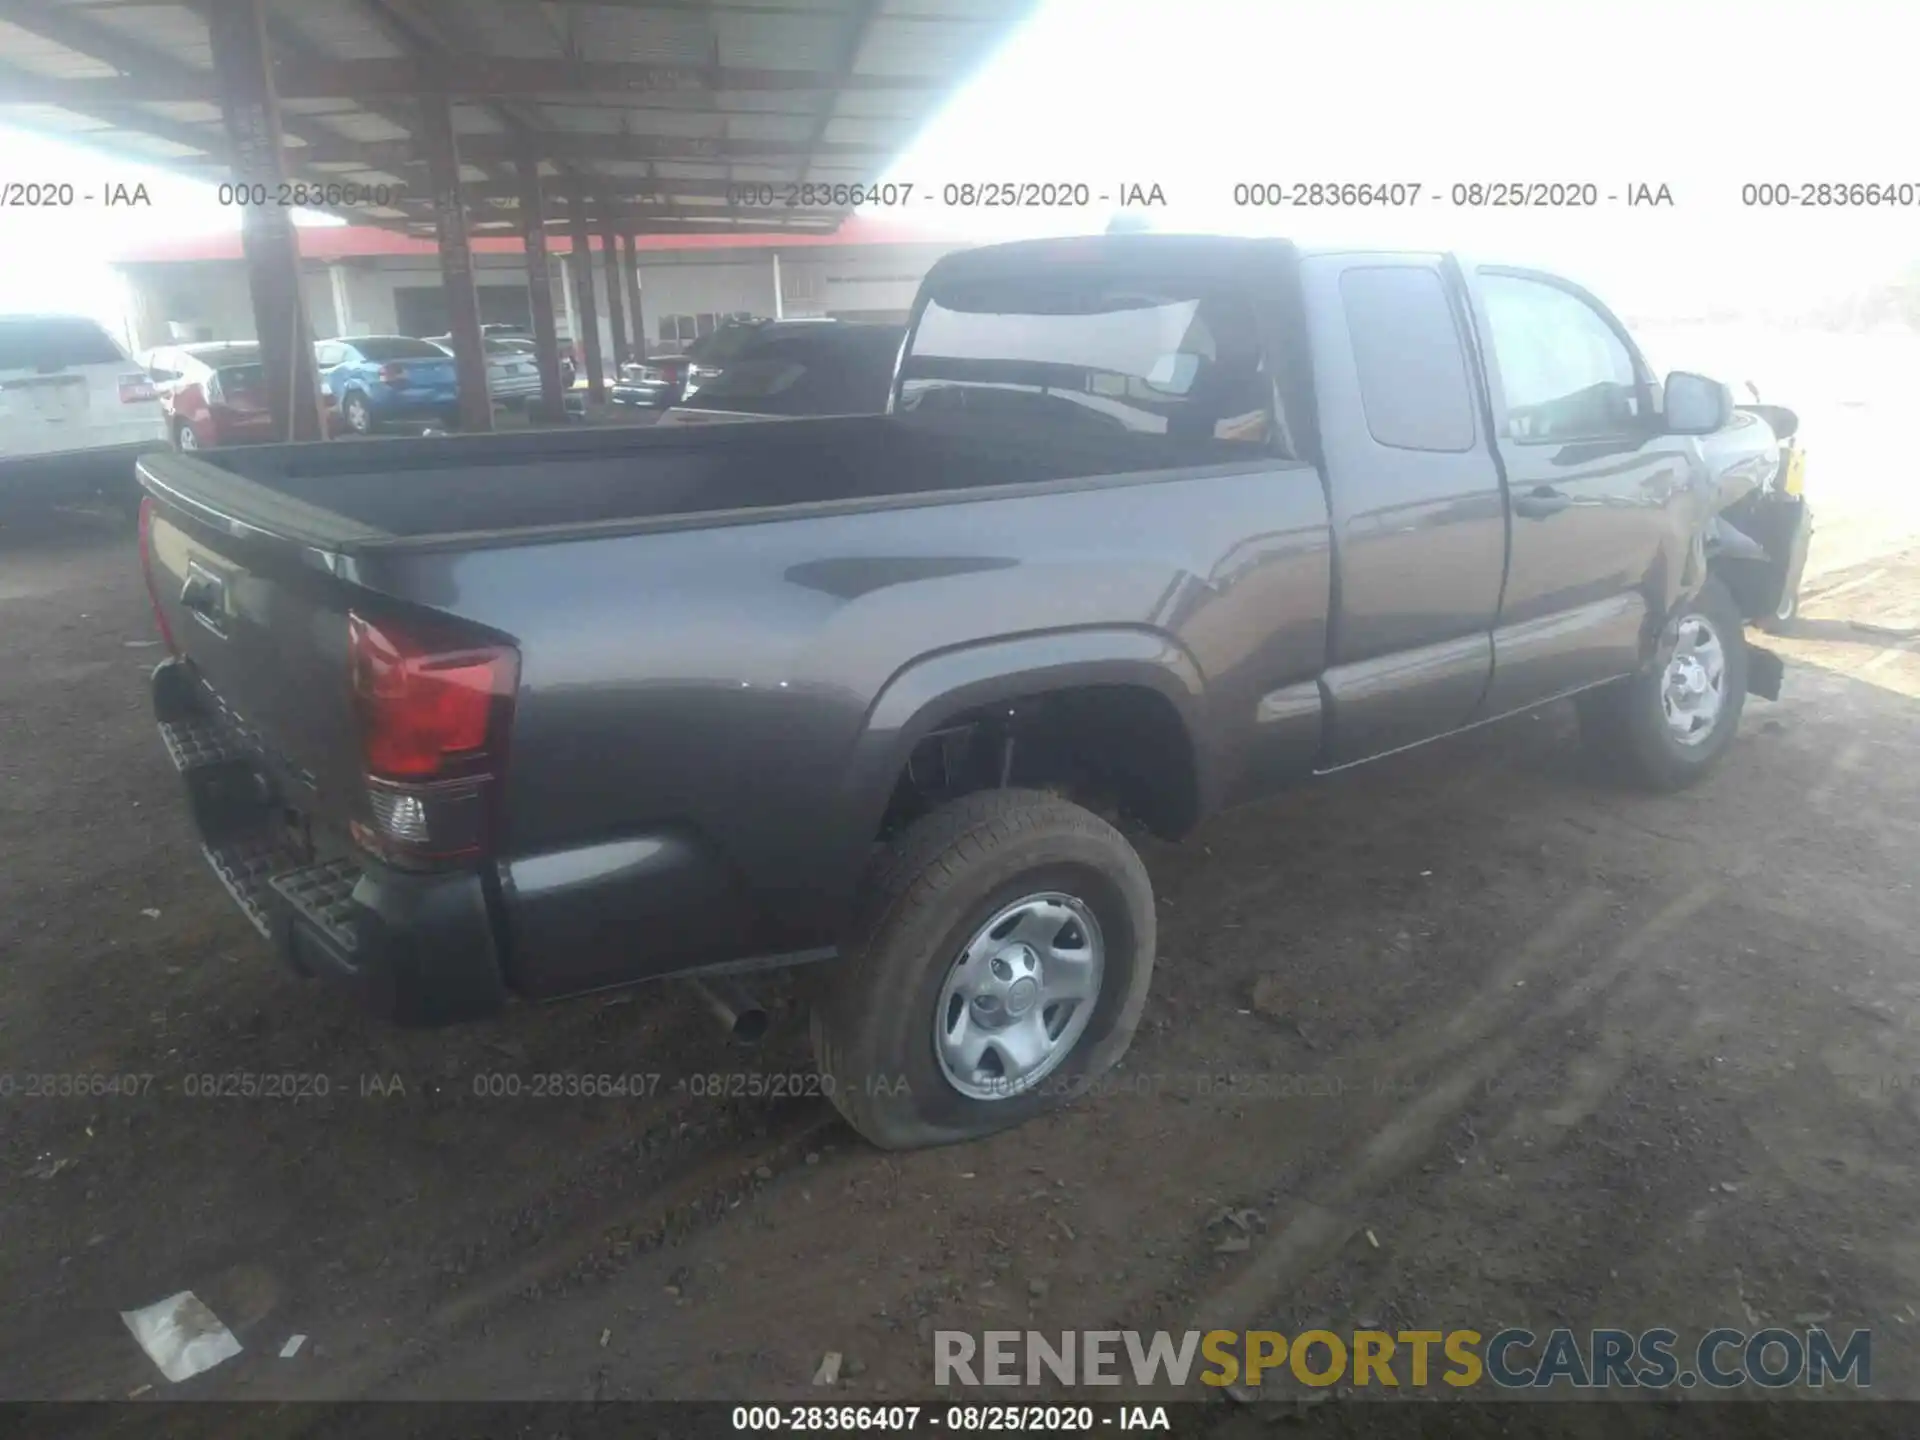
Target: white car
x,y
513,370
74,411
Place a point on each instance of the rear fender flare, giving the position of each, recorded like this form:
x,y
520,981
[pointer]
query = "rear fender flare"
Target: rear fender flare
x,y
928,690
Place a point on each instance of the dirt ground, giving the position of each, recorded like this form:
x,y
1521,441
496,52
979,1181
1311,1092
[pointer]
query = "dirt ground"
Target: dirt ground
x,y
1477,1038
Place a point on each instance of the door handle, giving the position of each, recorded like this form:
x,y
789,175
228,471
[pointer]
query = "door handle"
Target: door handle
x,y
1540,502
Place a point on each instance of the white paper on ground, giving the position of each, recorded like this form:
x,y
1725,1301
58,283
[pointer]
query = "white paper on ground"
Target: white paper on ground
x,y
181,1335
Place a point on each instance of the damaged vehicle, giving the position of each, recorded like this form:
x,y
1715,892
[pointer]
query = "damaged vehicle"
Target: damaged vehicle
x,y
1152,525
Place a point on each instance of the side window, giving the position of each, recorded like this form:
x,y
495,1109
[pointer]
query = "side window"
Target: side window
x,y
1414,386
1566,374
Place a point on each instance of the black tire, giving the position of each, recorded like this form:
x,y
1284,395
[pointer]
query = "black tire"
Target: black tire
x,y
356,414
1625,722
185,437
873,1034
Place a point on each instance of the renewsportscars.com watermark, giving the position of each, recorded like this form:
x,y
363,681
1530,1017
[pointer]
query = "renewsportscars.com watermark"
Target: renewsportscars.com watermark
x,y
1509,1359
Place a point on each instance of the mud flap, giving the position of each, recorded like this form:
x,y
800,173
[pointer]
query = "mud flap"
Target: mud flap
x,y
1765,671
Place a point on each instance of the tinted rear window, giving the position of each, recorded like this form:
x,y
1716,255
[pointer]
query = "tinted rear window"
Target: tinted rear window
x,y
825,373
724,344
242,378
1095,352
1406,348
758,378
54,342
399,348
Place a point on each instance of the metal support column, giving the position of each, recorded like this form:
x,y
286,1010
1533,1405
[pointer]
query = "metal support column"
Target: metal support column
x,y
546,343
580,266
631,252
616,287
243,81
456,261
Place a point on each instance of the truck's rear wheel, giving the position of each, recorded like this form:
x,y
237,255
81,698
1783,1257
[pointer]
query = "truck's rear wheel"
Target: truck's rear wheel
x,y
999,963
1667,726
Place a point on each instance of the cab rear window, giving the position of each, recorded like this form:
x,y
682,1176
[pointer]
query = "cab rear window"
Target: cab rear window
x,y
1094,353
55,342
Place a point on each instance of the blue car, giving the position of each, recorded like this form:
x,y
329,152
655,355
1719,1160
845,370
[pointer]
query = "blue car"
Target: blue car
x,y
376,380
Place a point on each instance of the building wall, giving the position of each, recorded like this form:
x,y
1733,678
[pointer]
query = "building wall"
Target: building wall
x,y
211,296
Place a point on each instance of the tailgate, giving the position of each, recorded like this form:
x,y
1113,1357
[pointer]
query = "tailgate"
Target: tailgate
x,y
263,624
427,374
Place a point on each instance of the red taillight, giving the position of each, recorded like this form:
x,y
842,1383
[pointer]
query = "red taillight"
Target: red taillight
x,y
136,387
393,373
146,569
428,713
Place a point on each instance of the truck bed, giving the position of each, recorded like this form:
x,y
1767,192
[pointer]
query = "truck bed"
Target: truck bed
x,y
501,484
686,683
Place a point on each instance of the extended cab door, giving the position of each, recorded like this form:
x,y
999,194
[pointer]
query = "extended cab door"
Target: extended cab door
x,y
1419,519
1596,490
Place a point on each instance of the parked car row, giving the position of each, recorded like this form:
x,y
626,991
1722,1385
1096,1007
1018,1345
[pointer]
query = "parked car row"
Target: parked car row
x,y
213,394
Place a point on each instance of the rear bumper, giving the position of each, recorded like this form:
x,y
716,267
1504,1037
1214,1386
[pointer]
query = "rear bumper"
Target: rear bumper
x,y
412,407
74,474
658,396
250,430
414,948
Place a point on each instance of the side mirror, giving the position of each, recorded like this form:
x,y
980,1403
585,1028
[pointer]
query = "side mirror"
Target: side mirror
x,y
1696,405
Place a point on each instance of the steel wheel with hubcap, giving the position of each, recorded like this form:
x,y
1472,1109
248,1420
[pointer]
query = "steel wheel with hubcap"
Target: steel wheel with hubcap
x,y
1666,726
359,418
1019,996
186,439
1695,687
998,961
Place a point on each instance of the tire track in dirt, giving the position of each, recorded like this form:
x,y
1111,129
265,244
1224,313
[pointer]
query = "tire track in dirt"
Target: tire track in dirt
x,y
669,1211
1395,1150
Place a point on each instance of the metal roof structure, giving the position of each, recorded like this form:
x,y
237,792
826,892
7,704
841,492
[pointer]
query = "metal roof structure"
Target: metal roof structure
x,y
655,111
326,243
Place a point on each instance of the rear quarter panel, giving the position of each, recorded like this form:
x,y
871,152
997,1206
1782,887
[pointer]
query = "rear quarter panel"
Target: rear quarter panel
x,y
723,679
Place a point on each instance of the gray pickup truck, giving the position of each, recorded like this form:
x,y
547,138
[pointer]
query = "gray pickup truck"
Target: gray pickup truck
x,y
1153,525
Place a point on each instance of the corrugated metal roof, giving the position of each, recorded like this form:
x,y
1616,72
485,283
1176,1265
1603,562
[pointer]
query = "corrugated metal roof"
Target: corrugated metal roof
x,y
744,90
